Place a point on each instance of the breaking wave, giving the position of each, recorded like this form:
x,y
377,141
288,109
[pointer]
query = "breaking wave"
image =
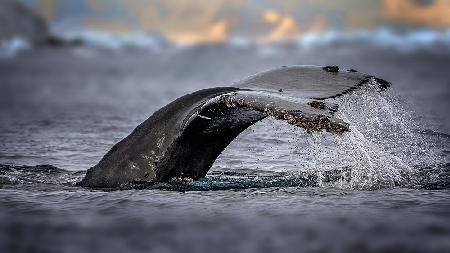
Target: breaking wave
x,y
382,37
379,37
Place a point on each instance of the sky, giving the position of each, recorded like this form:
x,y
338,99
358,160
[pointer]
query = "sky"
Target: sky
x,y
191,21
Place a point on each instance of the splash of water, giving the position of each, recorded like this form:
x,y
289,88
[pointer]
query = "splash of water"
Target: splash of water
x,y
385,147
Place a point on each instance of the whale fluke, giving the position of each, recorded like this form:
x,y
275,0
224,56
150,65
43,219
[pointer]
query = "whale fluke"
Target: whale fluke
x,y
184,138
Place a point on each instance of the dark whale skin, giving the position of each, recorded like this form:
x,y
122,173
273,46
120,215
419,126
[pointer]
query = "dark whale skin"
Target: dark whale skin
x,y
183,139
135,158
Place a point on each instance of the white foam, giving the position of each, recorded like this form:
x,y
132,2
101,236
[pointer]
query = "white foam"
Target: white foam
x,y
9,48
383,149
379,37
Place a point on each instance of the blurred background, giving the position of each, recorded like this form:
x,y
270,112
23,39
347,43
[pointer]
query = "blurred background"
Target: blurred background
x,y
77,76
197,21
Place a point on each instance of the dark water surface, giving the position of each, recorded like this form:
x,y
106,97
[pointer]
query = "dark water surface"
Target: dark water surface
x,y
384,187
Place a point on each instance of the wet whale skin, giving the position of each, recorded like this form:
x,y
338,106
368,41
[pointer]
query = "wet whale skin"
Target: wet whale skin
x,y
183,139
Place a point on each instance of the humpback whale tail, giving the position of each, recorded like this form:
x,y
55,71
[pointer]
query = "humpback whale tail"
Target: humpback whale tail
x,y
184,138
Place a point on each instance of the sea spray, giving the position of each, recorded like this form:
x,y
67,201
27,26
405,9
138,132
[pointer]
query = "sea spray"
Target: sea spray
x,y
386,147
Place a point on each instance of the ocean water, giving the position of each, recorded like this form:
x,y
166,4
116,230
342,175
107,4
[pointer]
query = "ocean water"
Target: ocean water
x,y
383,187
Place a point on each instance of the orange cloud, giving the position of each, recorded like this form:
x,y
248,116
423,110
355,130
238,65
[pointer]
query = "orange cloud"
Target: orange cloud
x,y
209,21
217,32
285,26
271,16
435,14
184,21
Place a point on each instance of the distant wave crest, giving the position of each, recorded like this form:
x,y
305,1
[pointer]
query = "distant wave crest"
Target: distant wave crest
x,y
382,37
9,48
379,37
